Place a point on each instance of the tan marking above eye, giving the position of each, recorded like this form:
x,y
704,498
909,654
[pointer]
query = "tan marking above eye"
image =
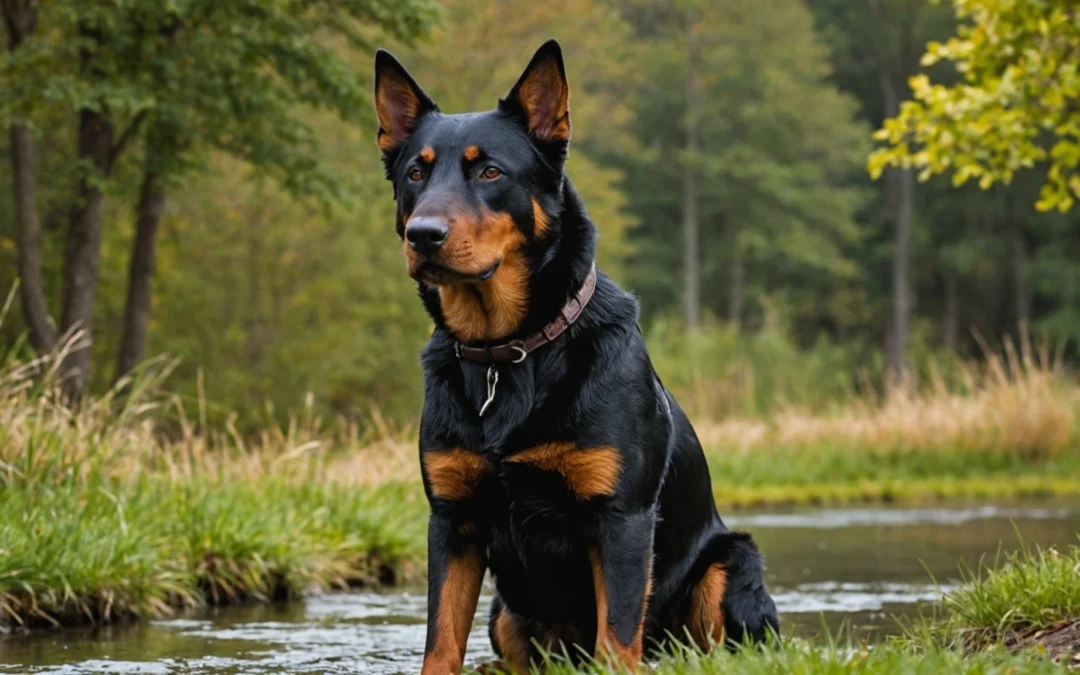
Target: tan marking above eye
x,y
427,154
471,153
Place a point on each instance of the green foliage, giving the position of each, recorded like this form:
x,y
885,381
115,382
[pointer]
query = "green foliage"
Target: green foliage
x,y
260,115
200,75
306,301
1015,107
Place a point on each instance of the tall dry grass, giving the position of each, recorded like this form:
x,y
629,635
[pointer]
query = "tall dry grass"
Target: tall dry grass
x,y
136,429
1021,401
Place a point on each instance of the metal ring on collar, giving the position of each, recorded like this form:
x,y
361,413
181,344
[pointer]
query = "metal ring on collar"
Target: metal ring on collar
x,y
523,353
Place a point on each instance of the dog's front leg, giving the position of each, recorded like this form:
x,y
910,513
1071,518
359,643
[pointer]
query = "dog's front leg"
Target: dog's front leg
x,y
456,565
622,581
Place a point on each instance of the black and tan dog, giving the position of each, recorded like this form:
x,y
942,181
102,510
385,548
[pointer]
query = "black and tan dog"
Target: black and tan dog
x,y
551,453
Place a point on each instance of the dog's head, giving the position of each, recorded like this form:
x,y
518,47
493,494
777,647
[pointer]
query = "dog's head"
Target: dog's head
x,y
475,191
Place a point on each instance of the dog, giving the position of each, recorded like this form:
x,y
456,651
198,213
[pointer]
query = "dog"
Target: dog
x,y
551,453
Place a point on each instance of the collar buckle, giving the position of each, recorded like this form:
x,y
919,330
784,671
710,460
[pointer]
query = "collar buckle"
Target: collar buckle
x,y
520,348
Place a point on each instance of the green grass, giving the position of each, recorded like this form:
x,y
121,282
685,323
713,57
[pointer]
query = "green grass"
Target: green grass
x,y
1015,595
98,552
806,658
826,474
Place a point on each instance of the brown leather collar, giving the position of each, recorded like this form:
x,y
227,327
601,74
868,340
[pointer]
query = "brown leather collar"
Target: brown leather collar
x,y
515,351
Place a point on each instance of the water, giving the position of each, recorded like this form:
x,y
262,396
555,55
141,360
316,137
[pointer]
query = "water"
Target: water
x,y
858,567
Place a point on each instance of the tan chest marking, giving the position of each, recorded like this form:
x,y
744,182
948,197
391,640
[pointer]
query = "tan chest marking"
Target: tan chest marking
x,y
589,472
454,474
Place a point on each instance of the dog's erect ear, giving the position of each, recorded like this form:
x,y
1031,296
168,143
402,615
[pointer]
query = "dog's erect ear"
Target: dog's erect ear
x,y
399,101
541,97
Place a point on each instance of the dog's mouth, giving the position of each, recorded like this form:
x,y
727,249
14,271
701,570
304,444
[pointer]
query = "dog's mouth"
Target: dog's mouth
x,y
439,275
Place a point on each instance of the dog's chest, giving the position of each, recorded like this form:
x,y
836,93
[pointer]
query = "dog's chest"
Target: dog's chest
x,y
531,512
534,520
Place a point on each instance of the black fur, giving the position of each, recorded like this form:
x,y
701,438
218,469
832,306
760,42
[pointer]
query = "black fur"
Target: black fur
x,y
593,386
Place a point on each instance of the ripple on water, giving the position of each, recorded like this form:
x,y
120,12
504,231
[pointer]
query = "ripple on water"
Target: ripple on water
x,y
852,597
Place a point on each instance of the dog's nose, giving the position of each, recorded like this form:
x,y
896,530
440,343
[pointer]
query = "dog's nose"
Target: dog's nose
x,y
426,234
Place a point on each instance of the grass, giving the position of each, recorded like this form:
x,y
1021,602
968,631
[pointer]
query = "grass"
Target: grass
x,y
1012,432
109,513
100,552
805,658
1018,599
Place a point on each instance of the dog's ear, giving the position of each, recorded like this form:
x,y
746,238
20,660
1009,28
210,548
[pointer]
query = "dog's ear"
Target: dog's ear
x,y
541,97
399,102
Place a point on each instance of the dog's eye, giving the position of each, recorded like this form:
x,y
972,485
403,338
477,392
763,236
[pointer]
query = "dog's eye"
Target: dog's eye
x,y
416,175
490,173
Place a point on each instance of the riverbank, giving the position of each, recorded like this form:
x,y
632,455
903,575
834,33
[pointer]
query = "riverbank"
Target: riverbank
x,y
106,551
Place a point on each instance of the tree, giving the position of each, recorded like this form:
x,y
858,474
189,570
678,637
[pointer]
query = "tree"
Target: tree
x,y
1015,108
763,189
691,225
878,42
20,20
201,53
187,79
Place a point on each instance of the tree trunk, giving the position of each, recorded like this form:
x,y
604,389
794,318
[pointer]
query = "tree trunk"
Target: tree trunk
x,y
738,280
83,247
253,322
691,247
140,272
950,323
31,288
903,187
20,20
899,187
1020,280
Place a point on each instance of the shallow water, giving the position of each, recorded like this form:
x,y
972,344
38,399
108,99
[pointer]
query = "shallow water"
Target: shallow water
x,y
859,568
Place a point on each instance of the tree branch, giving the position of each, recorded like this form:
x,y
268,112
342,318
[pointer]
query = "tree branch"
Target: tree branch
x,y
126,134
